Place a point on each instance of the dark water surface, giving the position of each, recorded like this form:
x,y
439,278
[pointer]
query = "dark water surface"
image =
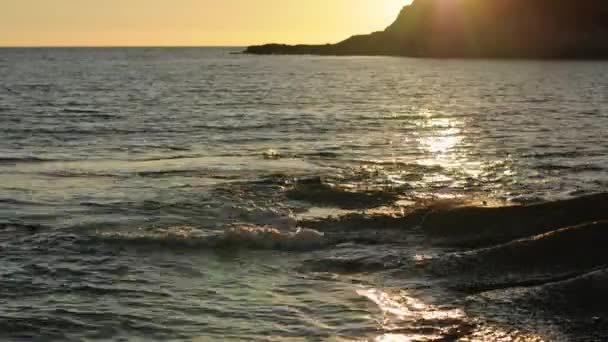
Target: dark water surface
x,y
121,170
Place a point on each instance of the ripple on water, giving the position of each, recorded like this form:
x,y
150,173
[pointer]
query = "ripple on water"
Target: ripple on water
x,y
172,141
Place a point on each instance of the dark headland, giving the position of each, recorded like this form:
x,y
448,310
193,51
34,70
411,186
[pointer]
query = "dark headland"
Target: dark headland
x,y
555,29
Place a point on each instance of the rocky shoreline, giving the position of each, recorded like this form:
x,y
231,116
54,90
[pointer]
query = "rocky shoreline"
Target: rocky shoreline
x,y
537,29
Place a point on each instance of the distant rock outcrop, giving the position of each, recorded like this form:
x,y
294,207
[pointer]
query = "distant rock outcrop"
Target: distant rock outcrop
x,y
479,29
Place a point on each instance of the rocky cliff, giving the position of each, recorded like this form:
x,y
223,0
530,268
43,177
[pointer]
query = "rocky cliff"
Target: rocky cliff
x,y
479,29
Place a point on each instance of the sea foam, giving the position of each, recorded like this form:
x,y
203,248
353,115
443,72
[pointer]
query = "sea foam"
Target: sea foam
x,y
236,236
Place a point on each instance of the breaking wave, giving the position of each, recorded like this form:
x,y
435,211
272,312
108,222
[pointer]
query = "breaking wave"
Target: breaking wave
x,y
235,237
317,192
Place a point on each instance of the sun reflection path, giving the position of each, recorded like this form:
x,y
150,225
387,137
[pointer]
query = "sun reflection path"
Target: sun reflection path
x,y
429,153
452,145
440,136
408,319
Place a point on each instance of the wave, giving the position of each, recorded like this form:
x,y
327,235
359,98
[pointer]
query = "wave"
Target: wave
x,y
162,158
363,264
174,148
318,192
18,202
565,154
354,222
544,258
513,246
282,219
232,128
32,86
28,159
553,235
92,130
482,226
574,168
7,109
167,173
170,148
320,154
234,237
99,290
144,174
414,167
13,226
81,111
547,249
52,328
72,323
255,237
82,174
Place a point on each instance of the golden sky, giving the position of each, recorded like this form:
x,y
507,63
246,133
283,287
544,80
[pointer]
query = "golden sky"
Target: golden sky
x,y
189,22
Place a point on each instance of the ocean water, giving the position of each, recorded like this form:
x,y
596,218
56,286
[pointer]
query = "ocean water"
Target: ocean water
x,y
156,194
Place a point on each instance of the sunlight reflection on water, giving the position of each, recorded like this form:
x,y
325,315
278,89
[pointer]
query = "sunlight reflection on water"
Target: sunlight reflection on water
x,y
428,322
117,139
404,310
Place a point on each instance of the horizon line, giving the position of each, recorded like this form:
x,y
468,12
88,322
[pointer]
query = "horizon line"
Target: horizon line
x,y
115,46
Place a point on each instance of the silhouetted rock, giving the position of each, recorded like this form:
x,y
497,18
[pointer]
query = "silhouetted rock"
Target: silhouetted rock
x,y
479,29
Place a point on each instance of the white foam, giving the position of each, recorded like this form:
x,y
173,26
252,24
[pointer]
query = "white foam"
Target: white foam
x,y
267,237
282,219
237,236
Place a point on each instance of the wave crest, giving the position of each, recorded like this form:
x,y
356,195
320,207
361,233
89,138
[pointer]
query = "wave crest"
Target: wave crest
x,y
237,236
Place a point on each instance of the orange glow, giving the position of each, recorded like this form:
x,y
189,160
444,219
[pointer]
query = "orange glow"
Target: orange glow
x,y
189,22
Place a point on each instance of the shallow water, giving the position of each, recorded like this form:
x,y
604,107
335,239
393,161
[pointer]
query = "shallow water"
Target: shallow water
x,y
120,170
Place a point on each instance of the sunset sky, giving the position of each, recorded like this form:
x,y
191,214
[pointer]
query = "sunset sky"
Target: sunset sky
x,y
189,22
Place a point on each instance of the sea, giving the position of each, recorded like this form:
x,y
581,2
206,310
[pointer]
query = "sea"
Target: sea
x,y
201,194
